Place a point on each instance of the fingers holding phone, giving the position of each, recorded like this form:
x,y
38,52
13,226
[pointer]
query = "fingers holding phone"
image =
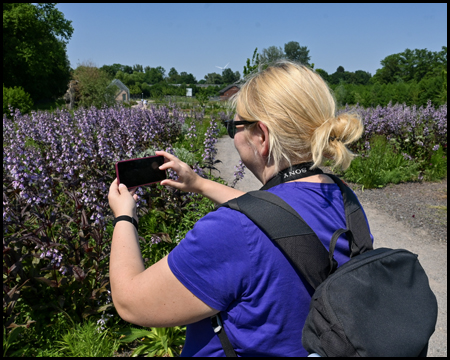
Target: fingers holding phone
x,y
187,181
121,200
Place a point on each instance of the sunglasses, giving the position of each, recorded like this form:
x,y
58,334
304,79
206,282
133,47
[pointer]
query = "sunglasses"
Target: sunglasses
x,y
231,126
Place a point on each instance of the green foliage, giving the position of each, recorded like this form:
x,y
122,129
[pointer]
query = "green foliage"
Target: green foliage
x,y
380,166
10,338
271,54
34,49
84,340
411,65
436,169
213,78
36,339
229,77
202,97
17,98
93,86
156,342
372,95
250,68
295,52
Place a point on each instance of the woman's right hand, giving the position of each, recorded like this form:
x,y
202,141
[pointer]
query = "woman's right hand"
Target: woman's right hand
x,y
188,180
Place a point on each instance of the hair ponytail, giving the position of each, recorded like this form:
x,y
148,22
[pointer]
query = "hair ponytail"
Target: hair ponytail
x,y
330,140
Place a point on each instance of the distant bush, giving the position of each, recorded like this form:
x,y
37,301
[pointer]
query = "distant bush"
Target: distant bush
x,y
17,98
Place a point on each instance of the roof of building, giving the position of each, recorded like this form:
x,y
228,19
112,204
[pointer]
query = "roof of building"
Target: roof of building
x,y
228,88
119,84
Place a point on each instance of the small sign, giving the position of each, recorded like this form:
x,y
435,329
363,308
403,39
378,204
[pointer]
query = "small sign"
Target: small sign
x,y
189,92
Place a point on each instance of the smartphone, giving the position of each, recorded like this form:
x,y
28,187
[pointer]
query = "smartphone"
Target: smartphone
x,y
139,172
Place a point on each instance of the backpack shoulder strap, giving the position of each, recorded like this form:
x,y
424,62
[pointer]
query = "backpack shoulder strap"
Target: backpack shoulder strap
x,y
360,241
287,229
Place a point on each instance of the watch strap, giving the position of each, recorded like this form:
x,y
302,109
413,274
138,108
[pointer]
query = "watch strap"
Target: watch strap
x,y
126,218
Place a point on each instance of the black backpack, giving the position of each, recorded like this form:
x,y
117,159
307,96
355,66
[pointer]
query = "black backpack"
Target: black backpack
x,y
379,303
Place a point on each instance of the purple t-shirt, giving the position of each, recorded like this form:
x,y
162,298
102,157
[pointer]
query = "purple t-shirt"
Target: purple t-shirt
x,y
232,266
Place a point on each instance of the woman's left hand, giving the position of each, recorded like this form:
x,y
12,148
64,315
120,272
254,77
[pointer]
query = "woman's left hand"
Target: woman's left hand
x,y
122,201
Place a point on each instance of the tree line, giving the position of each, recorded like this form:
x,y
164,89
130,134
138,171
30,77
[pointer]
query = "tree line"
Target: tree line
x,y
153,82
36,68
412,76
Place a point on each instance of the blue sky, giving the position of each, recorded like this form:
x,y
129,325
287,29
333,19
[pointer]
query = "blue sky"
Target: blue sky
x,y
198,37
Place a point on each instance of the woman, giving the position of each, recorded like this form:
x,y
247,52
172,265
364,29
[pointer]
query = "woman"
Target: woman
x,y
285,117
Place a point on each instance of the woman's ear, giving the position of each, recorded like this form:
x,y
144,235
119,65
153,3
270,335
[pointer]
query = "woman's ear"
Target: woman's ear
x,y
264,139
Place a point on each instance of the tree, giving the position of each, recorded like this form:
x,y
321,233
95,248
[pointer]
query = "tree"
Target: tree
x,y
186,78
362,77
295,52
229,77
173,76
411,65
154,75
338,76
323,74
248,69
94,86
271,54
34,49
213,78
127,69
138,68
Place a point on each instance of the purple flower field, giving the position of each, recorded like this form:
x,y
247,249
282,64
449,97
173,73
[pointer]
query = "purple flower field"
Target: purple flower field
x,y
44,150
414,129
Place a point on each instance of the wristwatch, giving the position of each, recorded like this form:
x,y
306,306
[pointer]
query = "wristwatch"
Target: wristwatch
x,y
126,218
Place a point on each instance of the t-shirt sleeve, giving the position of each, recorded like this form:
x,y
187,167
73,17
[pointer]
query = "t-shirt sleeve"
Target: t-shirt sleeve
x,y
213,261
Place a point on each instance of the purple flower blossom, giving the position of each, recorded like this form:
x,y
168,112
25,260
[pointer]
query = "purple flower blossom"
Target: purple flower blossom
x,y
239,173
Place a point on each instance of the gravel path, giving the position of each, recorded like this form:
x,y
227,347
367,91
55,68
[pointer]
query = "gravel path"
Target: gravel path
x,y
412,216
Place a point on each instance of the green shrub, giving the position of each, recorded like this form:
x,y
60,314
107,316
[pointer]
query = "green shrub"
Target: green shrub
x,y
159,342
17,98
381,165
85,340
436,169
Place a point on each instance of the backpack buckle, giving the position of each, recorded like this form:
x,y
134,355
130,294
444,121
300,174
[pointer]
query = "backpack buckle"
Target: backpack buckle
x,y
216,323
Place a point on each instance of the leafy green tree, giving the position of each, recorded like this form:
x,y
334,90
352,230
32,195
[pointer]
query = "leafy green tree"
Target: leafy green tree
x,y
34,49
230,77
362,77
186,78
411,65
127,69
145,89
338,76
323,74
248,69
154,75
213,78
271,54
138,68
94,86
173,76
390,71
295,52
135,90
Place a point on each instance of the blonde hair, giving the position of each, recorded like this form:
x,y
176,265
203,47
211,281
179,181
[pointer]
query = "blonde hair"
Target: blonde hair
x,y
298,108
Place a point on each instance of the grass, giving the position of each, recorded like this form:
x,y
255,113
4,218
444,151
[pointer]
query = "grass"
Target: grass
x,y
84,340
380,166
